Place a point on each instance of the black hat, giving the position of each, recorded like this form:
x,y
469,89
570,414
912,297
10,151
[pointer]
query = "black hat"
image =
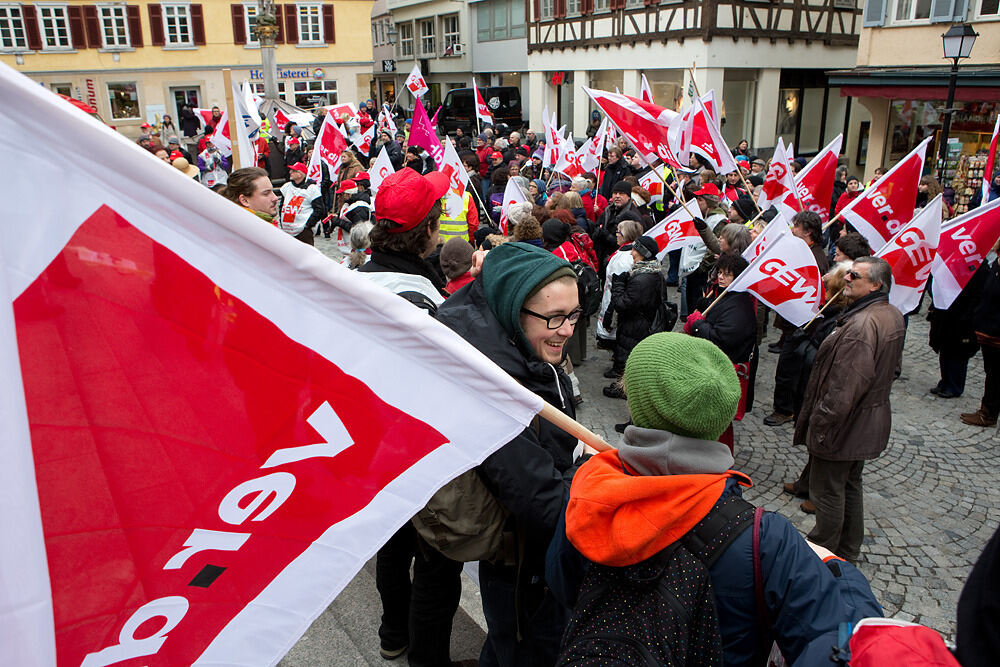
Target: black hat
x,y
622,186
646,246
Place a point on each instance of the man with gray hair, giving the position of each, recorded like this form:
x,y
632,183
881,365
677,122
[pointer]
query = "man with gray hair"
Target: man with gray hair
x,y
845,417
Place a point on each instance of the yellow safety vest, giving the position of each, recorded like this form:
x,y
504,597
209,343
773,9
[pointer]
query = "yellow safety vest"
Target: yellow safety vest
x,y
457,226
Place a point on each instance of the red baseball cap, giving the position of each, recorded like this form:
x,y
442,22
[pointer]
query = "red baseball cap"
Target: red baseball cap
x,y
362,176
298,166
176,154
406,197
346,185
708,189
495,154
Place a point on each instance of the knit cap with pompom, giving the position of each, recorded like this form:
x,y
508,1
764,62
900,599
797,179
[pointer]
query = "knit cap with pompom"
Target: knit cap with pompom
x,y
682,384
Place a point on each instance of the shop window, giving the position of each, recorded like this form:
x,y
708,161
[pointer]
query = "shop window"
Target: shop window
x,y
912,10
310,24
310,94
450,32
124,100
12,35
427,39
62,89
54,26
114,26
177,25
405,40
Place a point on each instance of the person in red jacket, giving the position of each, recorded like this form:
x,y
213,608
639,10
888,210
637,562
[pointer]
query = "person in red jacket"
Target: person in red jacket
x,y
593,202
853,192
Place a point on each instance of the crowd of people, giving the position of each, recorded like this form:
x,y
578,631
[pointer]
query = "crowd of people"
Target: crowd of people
x,y
573,269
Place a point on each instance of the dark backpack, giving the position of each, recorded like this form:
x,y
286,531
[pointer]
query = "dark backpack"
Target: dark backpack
x,y
666,313
588,284
660,611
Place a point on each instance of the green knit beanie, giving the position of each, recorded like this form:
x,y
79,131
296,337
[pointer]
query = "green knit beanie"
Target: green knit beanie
x,y
511,273
682,384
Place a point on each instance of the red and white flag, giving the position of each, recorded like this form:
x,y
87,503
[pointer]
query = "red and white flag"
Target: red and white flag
x,y
363,140
777,227
653,184
330,144
887,204
569,160
220,137
675,231
198,457
814,183
204,116
422,134
247,126
452,167
989,171
415,82
656,133
482,110
385,121
706,135
785,277
512,194
910,253
779,180
380,168
553,140
965,242
645,92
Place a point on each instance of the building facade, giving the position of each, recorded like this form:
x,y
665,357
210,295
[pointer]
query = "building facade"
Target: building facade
x,y
900,81
134,62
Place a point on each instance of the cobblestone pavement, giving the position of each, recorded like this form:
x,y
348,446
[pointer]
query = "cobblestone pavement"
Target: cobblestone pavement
x,y
930,504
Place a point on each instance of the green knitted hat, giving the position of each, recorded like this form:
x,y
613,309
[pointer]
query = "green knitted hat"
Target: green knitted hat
x,y
682,384
511,273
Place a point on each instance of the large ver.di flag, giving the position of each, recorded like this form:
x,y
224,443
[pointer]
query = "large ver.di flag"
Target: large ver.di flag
x,y
197,455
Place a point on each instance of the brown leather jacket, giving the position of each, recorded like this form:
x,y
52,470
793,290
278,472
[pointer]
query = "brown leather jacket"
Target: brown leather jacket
x,y
845,414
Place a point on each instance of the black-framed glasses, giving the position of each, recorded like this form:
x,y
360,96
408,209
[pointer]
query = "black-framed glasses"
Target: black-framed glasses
x,y
556,321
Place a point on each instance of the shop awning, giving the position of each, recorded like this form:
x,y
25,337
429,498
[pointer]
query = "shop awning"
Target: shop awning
x,y
976,83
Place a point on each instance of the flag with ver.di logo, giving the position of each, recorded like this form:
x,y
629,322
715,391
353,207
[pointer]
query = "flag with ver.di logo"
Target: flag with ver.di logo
x,y
200,447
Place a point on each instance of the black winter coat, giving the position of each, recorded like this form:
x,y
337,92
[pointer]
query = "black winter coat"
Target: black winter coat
x,y
392,149
987,318
732,325
531,474
635,297
612,174
606,227
953,331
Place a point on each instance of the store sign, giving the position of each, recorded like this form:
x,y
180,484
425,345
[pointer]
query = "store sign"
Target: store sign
x,y
388,65
286,73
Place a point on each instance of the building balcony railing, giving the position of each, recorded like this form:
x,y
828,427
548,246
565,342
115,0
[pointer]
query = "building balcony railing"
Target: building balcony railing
x,y
831,22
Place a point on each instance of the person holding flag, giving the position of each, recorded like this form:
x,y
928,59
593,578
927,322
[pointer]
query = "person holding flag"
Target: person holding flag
x,y
987,326
302,204
846,415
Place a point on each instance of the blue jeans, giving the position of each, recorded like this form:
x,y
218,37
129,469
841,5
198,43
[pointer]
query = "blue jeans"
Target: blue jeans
x,y
529,641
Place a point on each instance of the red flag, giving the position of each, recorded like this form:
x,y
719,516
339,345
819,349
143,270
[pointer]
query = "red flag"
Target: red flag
x,y
645,92
779,181
415,82
706,135
569,160
675,231
422,134
785,277
330,144
201,448
964,244
910,254
655,132
814,183
482,111
887,204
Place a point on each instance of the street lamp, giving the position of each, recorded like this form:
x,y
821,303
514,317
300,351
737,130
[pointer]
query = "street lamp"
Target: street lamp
x,y
958,43
393,34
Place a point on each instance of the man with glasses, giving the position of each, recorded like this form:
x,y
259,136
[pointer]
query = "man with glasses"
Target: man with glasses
x,y
845,417
519,312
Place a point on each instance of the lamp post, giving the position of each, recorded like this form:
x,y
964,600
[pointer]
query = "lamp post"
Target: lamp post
x,y
393,34
958,43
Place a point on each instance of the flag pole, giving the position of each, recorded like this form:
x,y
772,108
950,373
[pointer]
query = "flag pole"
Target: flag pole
x,y
739,171
234,140
475,105
828,302
563,421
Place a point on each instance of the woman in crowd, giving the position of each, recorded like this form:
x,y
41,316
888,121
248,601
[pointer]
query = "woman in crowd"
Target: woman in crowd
x,y
619,263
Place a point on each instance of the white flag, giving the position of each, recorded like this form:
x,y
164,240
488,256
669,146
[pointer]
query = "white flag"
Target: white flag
x,y
512,194
415,82
777,227
209,426
785,277
911,254
452,167
381,167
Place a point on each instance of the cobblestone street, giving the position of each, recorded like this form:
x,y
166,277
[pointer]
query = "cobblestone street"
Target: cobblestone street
x,y
930,502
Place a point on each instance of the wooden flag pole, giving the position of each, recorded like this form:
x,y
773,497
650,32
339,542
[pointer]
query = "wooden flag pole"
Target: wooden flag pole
x,y
227,82
828,302
705,312
563,421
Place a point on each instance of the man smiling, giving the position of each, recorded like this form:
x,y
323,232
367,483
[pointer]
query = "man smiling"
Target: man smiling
x,y
520,312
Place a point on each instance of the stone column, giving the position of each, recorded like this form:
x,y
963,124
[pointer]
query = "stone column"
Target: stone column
x,y
766,108
581,103
878,134
537,98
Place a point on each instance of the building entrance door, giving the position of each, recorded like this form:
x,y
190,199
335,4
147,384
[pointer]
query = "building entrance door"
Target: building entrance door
x,y
182,96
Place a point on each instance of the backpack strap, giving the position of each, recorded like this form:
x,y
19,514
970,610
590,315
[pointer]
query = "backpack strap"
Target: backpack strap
x,y
724,523
763,614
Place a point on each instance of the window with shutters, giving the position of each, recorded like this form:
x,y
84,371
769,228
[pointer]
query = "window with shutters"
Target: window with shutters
x,y
427,38
602,6
250,23
12,35
989,8
912,10
177,25
450,34
573,7
633,4
114,26
547,9
310,24
53,23
405,40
